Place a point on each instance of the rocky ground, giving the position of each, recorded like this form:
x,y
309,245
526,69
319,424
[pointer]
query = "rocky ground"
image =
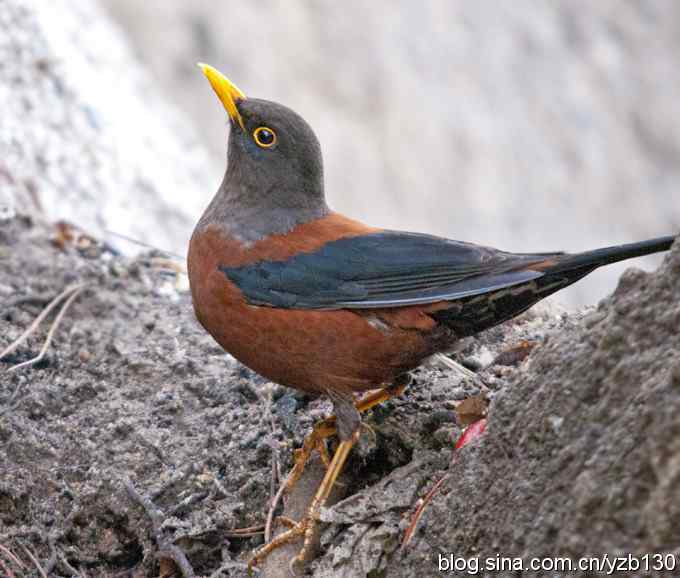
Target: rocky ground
x,y
137,439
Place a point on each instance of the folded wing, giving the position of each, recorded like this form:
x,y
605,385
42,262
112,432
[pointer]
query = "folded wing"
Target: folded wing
x,y
382,270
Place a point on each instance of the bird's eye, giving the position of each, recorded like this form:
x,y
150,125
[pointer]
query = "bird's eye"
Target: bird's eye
x,y
264,137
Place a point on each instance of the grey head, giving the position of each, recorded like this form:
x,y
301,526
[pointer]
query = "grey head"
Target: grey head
x,y
274,177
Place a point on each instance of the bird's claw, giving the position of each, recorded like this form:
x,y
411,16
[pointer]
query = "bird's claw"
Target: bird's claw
x,y
296,530
314,441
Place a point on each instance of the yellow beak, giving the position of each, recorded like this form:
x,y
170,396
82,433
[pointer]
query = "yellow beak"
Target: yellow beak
x,y
225,90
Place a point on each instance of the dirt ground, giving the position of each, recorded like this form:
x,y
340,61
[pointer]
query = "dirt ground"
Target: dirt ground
x,y
137,439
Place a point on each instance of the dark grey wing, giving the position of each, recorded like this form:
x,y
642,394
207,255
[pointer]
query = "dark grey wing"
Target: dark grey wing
x,y
385,269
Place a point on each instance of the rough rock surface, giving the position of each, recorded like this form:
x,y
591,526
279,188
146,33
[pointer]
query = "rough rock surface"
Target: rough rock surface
x,y
580,456
85,133
526,125
582,452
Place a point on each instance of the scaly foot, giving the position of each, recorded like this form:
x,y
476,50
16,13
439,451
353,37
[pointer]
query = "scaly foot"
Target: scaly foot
x,y
305,528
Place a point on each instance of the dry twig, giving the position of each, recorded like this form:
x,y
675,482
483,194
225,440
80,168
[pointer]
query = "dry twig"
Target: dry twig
x,y
12,557
188,501
66,566
472,432
166,549
272,508
34,560
8,572
449,363
170,265
39,319
50,333
143,244
274,494
422,504
248,532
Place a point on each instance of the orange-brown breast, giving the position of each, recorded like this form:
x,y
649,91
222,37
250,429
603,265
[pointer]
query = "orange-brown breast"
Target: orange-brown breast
x,y
309,350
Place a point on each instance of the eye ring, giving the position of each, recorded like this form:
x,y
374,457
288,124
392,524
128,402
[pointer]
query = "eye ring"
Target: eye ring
x,y
264,137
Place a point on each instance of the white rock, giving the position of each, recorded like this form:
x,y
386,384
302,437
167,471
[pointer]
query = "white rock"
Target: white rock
x,y
86,135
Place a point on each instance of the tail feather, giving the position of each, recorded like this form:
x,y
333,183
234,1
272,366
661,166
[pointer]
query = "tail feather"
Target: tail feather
x,y
607,255
479,312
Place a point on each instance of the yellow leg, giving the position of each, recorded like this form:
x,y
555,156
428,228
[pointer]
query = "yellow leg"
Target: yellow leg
x,y
332,473
305,527
372,399
316,441
326,428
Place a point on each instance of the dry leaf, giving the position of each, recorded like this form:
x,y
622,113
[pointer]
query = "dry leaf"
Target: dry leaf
x,y
63,235
514,355
66,235
472,409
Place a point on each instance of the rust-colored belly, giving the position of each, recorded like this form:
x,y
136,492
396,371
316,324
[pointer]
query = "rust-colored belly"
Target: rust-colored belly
x,y
308,350
305,349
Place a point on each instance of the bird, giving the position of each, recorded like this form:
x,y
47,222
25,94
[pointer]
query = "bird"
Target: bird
x,y
317,301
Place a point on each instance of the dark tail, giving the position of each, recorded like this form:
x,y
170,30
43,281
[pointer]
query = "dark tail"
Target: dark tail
x,y
590,260
474,314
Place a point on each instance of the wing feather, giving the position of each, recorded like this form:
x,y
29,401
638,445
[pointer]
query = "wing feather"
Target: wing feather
x,y
385,269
